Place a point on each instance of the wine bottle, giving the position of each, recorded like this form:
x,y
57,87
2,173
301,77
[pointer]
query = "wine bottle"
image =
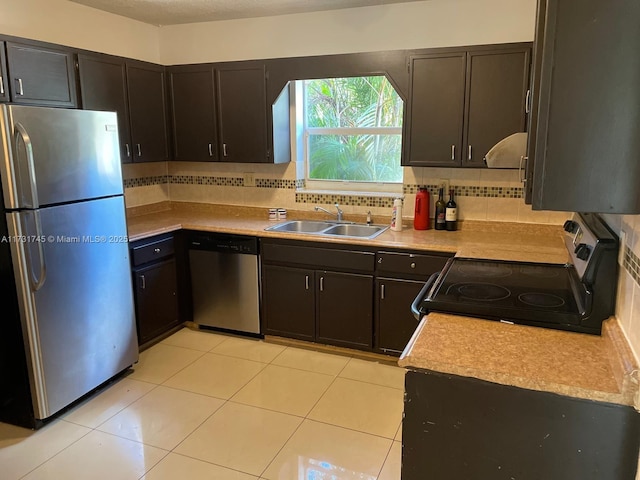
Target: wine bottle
x,y
451,213
439,220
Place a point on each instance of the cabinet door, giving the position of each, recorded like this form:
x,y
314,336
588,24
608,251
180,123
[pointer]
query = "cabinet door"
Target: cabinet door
x,y
156,299
497,84
4,79
288,302
345,309
148,112
587,138
103,86
41,76
242,106
395,322
193,110
433,130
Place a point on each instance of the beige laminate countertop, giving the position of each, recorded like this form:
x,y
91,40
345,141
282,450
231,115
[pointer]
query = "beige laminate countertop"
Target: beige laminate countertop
x,y
577,365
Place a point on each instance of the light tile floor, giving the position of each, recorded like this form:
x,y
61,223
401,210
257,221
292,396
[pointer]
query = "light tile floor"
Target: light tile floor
x,y
200,406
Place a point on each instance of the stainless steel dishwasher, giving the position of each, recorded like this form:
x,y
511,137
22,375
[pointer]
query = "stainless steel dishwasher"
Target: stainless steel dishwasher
x,y
225,281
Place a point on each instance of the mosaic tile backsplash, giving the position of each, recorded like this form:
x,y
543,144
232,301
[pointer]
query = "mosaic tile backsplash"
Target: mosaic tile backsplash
x,y
302,197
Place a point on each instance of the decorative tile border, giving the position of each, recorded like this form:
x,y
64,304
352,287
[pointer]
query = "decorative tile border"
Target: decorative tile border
x,y
355,200
302,197
145,181
631,264
470,190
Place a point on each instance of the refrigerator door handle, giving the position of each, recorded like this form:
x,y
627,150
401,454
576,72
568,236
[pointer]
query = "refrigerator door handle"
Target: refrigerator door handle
x,y
27,239
21,133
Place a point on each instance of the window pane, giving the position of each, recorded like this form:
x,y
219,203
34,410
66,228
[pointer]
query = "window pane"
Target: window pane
x,y
352,102
359,158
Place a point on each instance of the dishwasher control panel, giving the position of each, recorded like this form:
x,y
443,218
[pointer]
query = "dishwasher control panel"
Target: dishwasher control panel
x,y
222,242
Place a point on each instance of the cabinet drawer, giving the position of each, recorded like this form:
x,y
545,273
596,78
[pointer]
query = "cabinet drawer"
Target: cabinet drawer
x,y
324,258
409,263
149,252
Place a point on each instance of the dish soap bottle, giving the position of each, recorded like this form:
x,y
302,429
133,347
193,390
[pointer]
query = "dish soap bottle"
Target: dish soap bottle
x,y
421,212
451,213
396,215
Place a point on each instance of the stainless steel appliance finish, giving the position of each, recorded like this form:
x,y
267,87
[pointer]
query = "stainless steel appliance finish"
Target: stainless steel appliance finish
x,y
66,252
225,281
577,296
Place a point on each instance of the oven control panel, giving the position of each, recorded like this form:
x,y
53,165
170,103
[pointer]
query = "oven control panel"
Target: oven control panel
x,y
587,237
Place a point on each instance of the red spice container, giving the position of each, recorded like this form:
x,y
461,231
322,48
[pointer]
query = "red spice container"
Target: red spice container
x,y
421,214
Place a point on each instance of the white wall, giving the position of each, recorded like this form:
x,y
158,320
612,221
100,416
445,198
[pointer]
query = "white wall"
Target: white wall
x,y
67,23
433,23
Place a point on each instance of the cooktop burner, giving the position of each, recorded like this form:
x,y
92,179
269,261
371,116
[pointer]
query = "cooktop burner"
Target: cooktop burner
x,y
538,299
483,292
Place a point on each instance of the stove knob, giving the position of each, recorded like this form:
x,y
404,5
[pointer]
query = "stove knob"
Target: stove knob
x,y
570,226
582,251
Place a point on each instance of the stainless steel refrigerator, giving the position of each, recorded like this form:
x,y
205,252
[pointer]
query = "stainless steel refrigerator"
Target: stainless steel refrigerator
x,y
67,322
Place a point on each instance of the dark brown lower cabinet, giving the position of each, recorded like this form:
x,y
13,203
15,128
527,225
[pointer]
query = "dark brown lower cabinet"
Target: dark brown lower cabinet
x,y
345,309
156,299
288,302
155,276
395,322
460,428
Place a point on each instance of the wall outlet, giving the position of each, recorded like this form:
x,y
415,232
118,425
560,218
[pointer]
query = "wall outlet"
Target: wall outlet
x,y
249,179
444,183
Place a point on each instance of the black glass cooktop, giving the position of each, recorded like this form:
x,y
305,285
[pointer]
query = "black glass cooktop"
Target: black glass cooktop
x,y
511,291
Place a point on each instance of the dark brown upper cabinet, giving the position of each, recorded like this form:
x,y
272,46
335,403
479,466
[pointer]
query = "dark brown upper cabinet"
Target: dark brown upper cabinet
x,y
4,79
103,82
40,75
461,103
496,92
193,109
588,110
435,114
148,112
242,113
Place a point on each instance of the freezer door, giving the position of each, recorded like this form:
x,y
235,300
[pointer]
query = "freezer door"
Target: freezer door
x,y
54,155
72,271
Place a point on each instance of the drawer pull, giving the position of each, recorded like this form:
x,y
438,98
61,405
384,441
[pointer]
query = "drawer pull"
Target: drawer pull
x,y
156,250
380,260
413,265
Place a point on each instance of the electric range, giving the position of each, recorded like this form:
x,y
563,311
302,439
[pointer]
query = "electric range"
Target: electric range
x,y
577,296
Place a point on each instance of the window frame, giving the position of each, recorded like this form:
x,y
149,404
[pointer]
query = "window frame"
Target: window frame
x,y
337,184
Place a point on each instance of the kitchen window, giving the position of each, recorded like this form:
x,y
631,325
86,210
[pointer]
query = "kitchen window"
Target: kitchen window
x,y
351,134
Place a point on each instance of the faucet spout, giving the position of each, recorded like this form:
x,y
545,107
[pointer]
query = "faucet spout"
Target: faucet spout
x,y
339,215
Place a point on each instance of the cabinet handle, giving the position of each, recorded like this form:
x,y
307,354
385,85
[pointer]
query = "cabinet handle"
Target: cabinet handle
x,y
413,265
470,154
210,150
139,149
306,282
127,149
143,282
521,170
1,86
156,250
20,87
380,260
453,152
527,102
224,149
322,284
382,291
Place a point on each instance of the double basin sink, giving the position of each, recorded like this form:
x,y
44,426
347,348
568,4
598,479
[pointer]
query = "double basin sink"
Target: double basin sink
x,y
329,229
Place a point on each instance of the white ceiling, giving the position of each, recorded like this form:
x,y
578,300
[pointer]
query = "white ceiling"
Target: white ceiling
x,y
171,12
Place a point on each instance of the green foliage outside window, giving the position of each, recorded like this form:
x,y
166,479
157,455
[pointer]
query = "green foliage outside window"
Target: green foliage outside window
x,y
354,128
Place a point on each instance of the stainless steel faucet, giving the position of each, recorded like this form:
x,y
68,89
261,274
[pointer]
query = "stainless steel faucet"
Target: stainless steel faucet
x,y
339,215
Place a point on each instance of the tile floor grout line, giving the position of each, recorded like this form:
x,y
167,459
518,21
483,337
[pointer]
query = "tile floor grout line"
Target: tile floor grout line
x,y
350,429
213,463
385,459
57,453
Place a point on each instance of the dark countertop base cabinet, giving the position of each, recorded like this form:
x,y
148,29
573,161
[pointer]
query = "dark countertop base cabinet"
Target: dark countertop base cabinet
x,y
459,428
